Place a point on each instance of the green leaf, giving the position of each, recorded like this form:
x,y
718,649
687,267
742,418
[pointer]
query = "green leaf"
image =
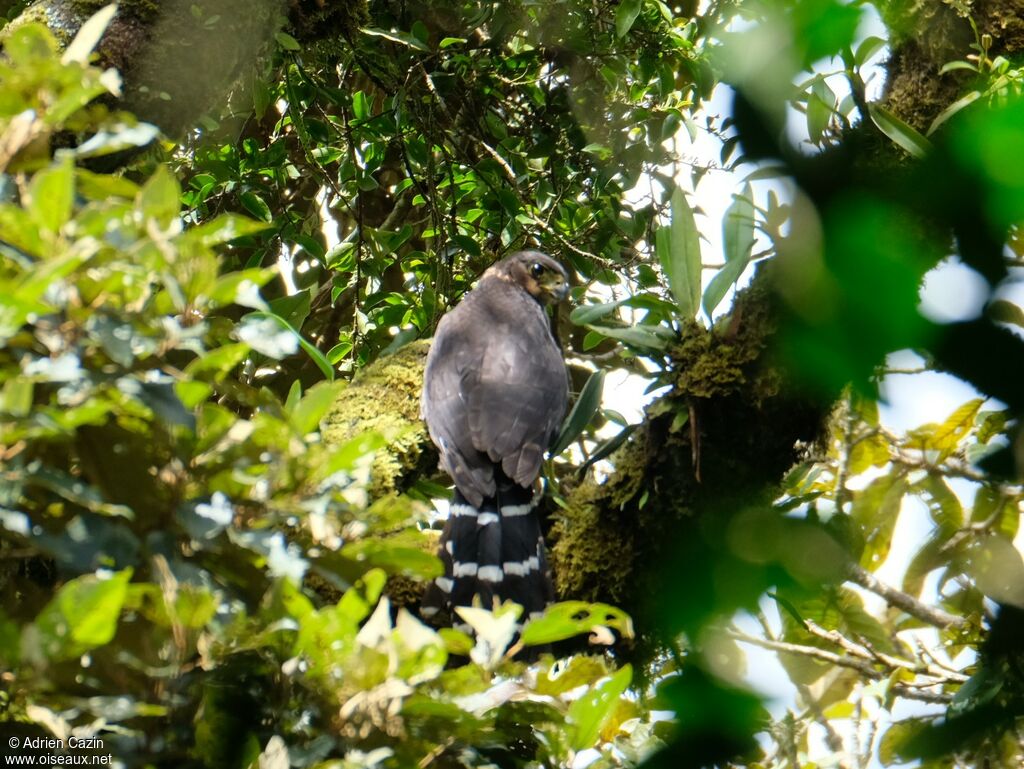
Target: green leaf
x,y
582,413
52,194
83,615
315,355
868,47
720,284
819,114
625,16
649,338
678,250
218,363
287,42
943,504
608,448
901,133
590,712
160,197
256,206
952,109
403,38
241,287
876,511
223,229
948,435
585,314
892,748
952,66
308,412
394,559
571,618
582,670
293,309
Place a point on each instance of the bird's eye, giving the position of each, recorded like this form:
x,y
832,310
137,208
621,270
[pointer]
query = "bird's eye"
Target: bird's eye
x,y
537,270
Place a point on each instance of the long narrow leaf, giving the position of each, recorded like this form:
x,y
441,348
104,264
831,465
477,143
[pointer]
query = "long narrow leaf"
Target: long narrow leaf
x,y
901,133
582,412
678,250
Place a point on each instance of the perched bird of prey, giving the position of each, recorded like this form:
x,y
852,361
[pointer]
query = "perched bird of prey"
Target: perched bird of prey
x,y
495,390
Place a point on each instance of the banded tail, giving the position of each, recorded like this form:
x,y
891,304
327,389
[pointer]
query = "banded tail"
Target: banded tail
x,y
494,551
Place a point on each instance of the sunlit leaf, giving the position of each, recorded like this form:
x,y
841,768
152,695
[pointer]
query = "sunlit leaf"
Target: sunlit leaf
x,y
625,15
83,614
571,618
678,249
590,711
51,195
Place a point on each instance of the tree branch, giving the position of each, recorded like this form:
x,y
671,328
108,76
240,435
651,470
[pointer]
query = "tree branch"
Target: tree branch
x,y
915,608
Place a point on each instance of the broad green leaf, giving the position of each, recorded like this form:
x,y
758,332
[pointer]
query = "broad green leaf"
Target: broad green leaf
x,y
869,451
738,226
875,511
948,435
582,670
160,197
241,287
892,748
77,491
900,132
927,558
590,712
867,48
625,16
571,618
720,284
104,186
394,559
287,42
223,229
52,194
585,314
308,412
219,362
582,413
256,206
650,338
293,309
345,456
819,114
943,504
83,614
678,250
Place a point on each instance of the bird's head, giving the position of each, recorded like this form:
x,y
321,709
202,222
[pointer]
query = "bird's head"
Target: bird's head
x,y
537,273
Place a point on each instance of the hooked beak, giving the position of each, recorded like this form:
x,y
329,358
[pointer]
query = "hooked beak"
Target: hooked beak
x,y
559,290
